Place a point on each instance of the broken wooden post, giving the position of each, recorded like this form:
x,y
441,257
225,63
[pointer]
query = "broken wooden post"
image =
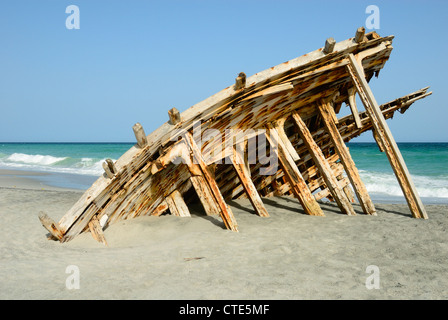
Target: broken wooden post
x,y
298,185
224,211
140,135
323,166
329,46
240,81
176,204
97,230
239,164
382,130
325,111
109,168
359,36
174,115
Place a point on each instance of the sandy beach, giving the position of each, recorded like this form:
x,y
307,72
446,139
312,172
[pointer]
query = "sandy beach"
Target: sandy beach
x,y
287,256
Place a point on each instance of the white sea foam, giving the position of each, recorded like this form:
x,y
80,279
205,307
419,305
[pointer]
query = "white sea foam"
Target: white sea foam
x,y
33,159
387,185
48,163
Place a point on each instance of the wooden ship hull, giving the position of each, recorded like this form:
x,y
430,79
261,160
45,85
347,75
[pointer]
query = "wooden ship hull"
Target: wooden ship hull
x,y
274,133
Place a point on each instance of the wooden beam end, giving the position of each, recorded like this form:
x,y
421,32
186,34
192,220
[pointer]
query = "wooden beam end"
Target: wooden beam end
x,y
329,45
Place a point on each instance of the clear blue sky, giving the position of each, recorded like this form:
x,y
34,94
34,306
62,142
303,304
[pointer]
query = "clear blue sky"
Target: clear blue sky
x,y
131,61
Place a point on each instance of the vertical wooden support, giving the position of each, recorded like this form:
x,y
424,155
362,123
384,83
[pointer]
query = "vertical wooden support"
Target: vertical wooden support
x,y
298,185
366,203
323,166
176,204
353,107
382,130
205,195
224,211
96,230
280,125
239,164
140,135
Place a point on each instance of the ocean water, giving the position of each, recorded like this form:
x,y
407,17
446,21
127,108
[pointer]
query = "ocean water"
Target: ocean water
x,y
78,165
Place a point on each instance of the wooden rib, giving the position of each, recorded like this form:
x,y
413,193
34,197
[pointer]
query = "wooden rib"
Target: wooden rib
x,y
244,175
96,230
323,166
224,211
325,110
176,204
383,133
298,185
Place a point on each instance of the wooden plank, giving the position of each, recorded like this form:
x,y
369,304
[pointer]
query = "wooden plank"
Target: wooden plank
x,y
298,185
140,135
224,211
244,175
176,204
382,130
96,230
325,110
323,166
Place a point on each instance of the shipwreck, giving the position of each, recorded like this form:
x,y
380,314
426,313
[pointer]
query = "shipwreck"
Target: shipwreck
x,y
274,133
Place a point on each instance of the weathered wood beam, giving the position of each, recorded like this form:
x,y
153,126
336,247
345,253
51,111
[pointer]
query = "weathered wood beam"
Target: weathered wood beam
x,y
224,211
323,166
383,133
239,164
293,176
176,204
140,135
325,110
97,230
51,226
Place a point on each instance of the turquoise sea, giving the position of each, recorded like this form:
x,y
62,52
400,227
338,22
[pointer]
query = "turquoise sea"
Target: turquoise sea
x,y
78,165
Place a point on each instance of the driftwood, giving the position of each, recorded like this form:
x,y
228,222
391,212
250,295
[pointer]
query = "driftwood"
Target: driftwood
x,y
274,133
